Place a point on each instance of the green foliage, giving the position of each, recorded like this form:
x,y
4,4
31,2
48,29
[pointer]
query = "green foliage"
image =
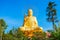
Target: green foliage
x,y
39,36
16,34
51,13
3,26
55,35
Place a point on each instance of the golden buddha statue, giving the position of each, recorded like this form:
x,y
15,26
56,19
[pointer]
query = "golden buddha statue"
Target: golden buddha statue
x,y
30,24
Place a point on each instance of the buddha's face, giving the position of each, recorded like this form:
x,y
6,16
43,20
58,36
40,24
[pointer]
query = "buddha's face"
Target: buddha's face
x,y
30,13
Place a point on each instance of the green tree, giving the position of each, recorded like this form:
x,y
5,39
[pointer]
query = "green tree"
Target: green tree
x,y
39,36
55,35
3,26
58,27
15,34
51,13
20,35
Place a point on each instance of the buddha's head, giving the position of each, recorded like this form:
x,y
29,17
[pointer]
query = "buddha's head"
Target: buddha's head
x,y
30,12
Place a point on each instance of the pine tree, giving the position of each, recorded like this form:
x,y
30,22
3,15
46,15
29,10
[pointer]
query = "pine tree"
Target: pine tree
x,y
51,13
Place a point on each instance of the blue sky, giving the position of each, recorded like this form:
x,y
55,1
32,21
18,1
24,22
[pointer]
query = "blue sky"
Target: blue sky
x,y
12,11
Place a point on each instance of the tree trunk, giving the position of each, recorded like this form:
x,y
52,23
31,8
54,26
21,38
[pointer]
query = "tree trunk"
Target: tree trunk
x,y
54,27
1,35
1,32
